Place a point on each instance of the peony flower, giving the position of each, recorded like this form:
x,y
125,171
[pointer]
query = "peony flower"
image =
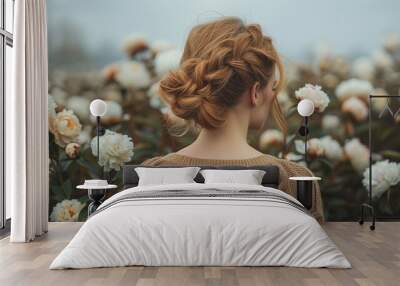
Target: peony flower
x,y
166,61
154,95
378,104
72,150
271,137
59,96
284,101
385,174
330,122
66,127
293,157
113,114
115,150
332,149
354,88
314,147
392,42
363,68
356,107
80,106
315,94
382,60
110,72
135,45
357,153
67,210
133,75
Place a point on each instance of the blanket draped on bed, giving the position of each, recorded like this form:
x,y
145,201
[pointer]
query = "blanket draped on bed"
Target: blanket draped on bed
x,y
201,224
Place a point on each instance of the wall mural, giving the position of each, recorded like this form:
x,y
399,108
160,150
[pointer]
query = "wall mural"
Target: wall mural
x,y
135,121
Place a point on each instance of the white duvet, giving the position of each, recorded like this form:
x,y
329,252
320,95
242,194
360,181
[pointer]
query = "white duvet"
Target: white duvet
x,y
204,231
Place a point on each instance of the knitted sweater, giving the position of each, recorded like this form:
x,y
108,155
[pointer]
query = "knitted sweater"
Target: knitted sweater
x,y
286,169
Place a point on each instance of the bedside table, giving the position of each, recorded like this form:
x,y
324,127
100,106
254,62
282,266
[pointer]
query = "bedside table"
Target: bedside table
x,y
96,192
305,189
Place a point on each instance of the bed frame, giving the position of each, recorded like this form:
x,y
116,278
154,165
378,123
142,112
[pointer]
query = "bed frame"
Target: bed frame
x,y
271,178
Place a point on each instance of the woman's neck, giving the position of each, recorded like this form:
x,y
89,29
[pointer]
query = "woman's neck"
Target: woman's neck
x,y
226,142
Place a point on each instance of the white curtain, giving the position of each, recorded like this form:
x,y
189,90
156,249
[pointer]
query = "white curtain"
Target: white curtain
x,y
27,124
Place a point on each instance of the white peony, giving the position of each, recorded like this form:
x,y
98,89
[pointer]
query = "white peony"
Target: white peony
x,y
354,88
356,107
294,157
363,68
332,149
65,127
284,101
330,122
166,61
382,60
271,137
315,94
154,96
67,210
385,174
314,147
80,106
115,150
357,153
133,75
59,95
113,114
392,42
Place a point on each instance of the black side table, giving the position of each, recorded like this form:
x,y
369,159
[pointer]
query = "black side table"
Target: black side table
x,y
305,190
96,195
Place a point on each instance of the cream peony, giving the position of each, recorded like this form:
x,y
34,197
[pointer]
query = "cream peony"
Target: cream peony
x,y
332,149
378,104
115,150
72,150
65,127
382,60
80,106
133,75
314,147
315,94
363,68
330,122
392,42
385,174
354,88
271,137
166,61
356,107
67,210
357,153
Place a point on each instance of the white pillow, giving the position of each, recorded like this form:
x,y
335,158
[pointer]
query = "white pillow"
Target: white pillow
x,y
248,177
164,176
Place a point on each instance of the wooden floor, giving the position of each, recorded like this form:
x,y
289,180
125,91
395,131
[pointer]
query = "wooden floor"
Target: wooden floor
x,y
375,257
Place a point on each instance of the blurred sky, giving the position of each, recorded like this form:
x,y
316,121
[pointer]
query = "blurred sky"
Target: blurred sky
x,y
100,26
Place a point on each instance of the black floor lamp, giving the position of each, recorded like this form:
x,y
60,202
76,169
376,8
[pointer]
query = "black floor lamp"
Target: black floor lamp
x,y
98,108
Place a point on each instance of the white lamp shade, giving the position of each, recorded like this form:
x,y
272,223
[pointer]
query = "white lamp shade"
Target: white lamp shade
x,y
305,107
98,107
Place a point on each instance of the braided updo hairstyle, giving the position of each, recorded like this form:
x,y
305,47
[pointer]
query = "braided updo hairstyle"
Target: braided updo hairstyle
x,y
220,61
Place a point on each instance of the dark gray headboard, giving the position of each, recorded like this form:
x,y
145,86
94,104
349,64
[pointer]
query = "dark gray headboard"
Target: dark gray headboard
x,y
271,178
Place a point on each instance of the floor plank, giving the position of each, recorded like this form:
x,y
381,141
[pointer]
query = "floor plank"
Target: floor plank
x,y
375,257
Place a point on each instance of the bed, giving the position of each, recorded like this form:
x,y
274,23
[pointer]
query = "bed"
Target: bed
x,y
198,224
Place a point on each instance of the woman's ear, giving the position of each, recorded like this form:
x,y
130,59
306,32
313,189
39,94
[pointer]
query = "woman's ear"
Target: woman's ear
x,y
255,94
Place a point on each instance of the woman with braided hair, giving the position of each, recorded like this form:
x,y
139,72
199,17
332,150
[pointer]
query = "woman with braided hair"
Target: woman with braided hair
x,y
227,83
